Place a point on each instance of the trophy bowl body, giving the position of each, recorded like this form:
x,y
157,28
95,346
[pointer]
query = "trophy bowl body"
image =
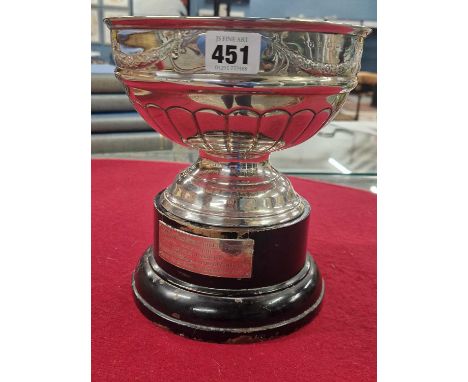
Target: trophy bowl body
x,y
231,232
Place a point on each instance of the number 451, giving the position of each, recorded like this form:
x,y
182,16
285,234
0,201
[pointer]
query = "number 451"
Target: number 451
x,y
231,55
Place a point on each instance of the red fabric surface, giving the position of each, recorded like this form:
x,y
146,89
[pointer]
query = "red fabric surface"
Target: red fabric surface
x,y
338,345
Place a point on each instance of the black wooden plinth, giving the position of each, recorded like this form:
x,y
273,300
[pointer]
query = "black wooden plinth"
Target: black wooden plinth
x,y
284,291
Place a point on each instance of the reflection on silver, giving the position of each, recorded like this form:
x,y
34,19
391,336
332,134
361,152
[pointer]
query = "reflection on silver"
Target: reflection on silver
x,y
307,69
232,194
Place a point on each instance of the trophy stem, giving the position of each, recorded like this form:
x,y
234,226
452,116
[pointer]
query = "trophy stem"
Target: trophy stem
x,y
222,192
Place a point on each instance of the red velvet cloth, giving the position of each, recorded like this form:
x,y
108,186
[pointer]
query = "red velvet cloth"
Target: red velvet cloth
x,y
338,345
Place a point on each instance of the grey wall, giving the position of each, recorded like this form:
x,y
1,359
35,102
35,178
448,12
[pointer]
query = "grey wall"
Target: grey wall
x,y
341,9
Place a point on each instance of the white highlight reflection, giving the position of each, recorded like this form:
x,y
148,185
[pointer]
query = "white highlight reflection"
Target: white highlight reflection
x,y
339,166
204,310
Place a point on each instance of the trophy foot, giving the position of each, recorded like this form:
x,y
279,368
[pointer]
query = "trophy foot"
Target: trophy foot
x,y
226,315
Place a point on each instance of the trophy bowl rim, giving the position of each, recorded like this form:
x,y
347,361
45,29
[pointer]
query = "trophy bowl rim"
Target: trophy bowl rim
x,y
257,23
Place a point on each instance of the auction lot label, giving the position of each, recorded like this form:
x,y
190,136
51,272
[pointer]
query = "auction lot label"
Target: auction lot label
x,y
232,52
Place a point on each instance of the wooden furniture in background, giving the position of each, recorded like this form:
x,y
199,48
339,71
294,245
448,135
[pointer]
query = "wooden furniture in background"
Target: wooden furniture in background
x,y
367,84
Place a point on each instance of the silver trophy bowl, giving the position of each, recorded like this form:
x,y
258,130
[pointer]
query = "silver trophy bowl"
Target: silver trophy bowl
x,y
236,106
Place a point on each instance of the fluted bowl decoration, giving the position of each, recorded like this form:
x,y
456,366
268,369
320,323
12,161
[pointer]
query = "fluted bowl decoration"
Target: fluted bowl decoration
x,y
302,74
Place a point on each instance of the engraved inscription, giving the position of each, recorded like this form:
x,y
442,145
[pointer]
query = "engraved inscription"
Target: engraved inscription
x,y
323,44
230,258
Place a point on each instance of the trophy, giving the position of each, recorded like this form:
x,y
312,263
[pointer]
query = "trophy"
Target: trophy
x,y
229,262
